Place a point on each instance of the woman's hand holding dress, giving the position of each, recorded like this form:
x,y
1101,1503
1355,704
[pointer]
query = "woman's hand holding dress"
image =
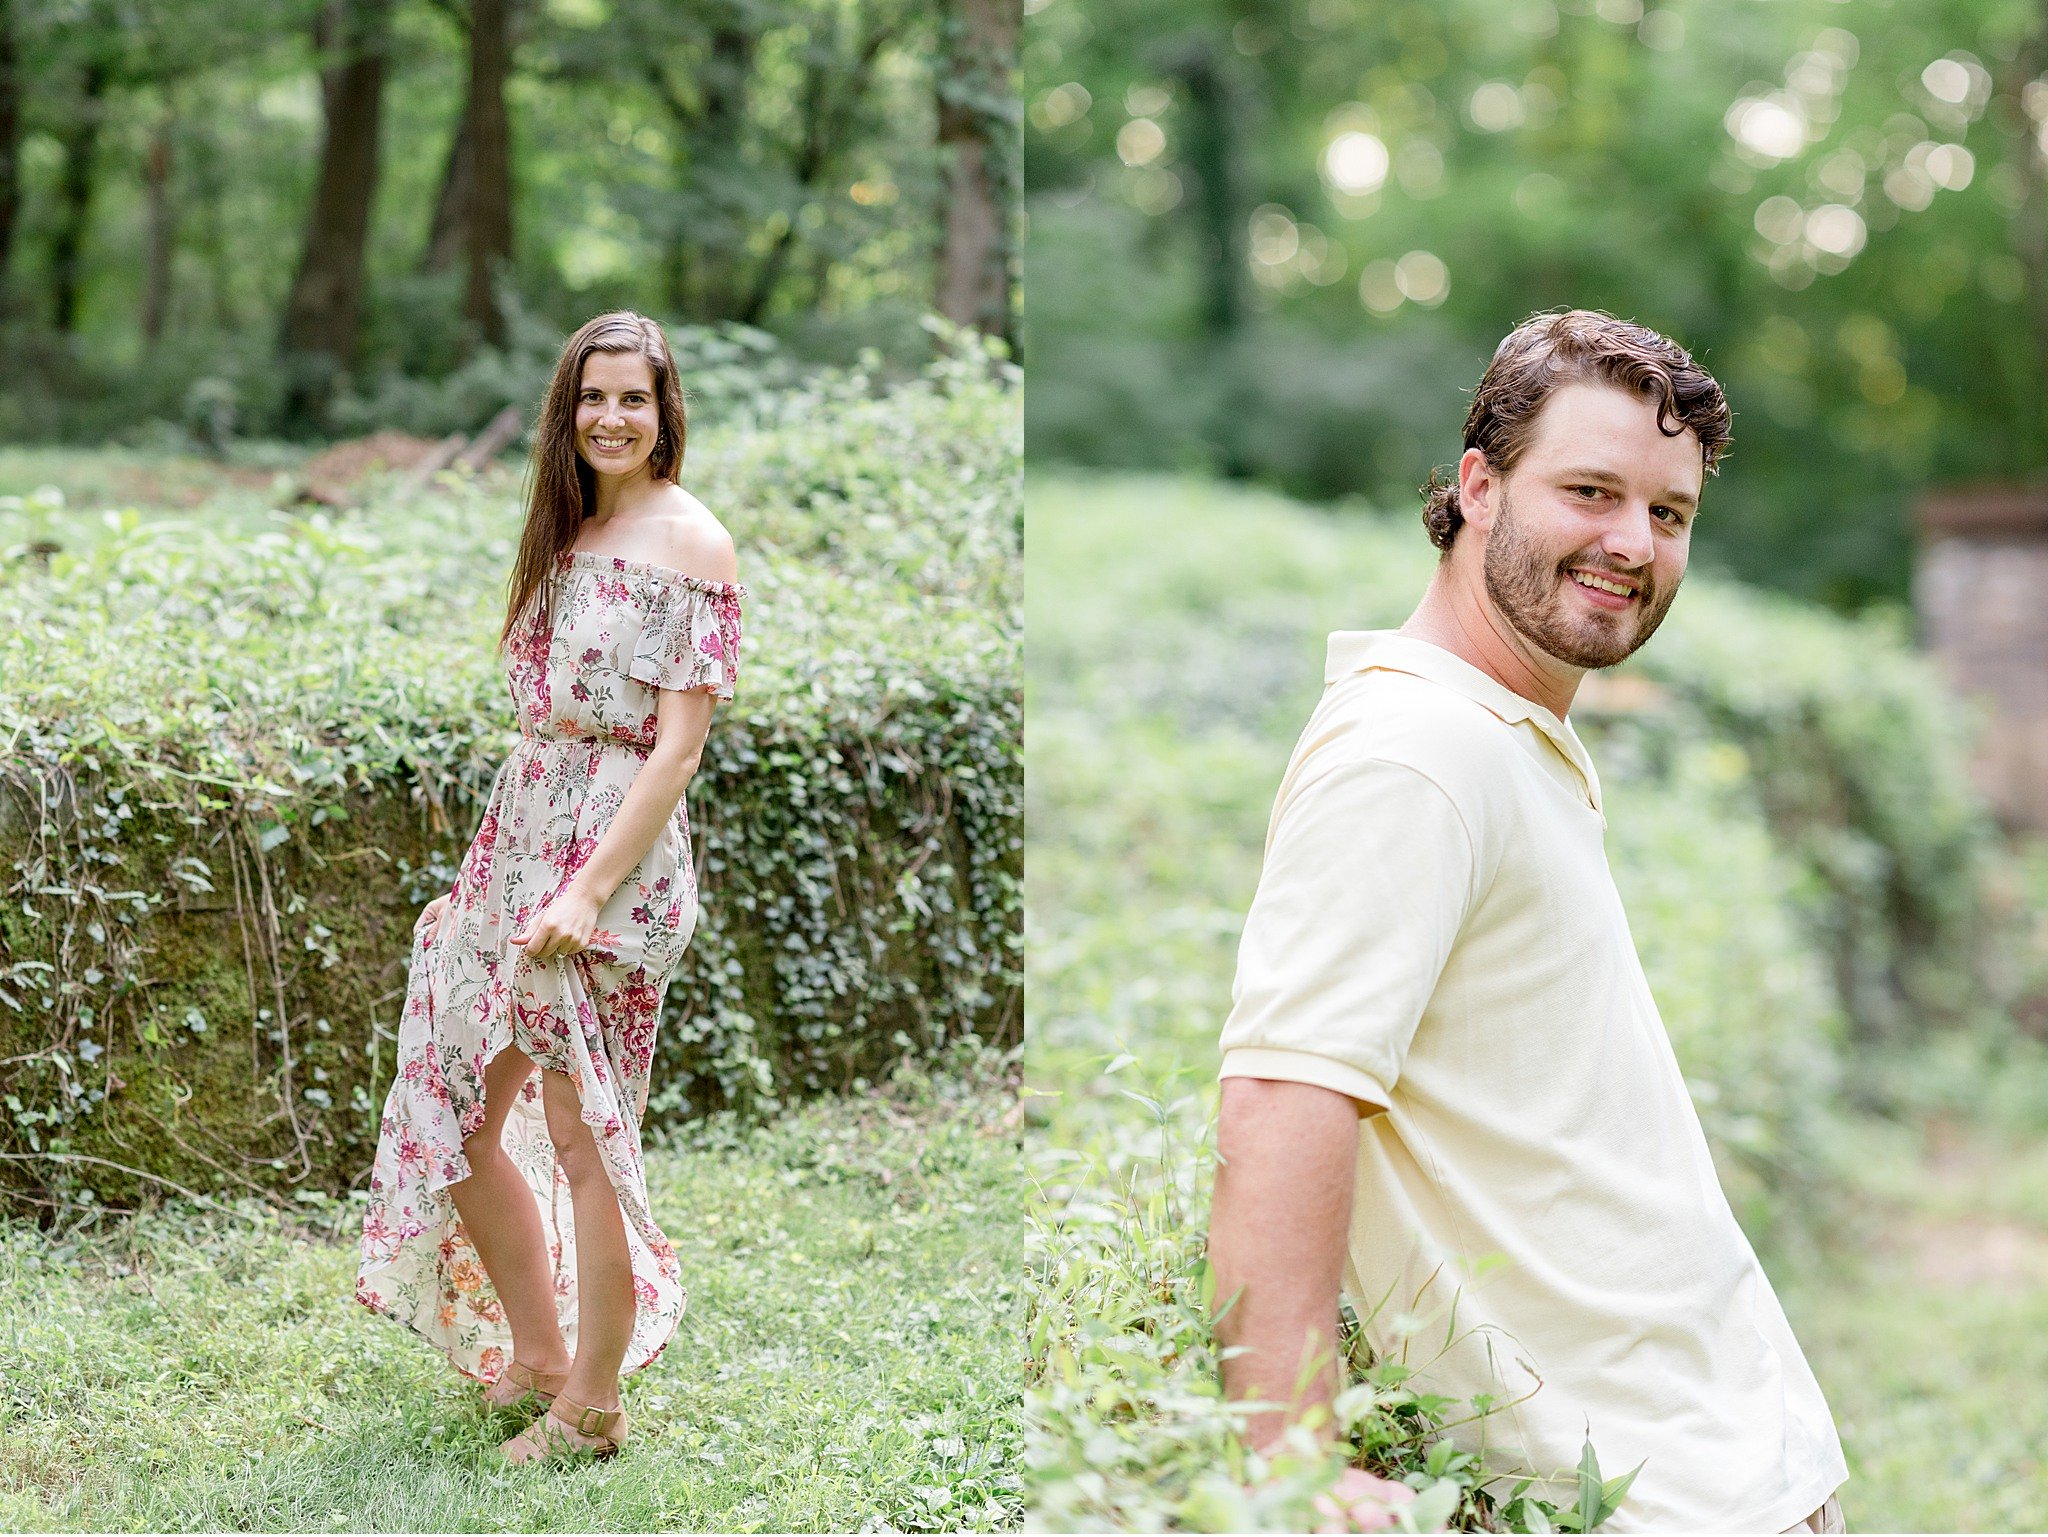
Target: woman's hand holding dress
x,y
562,926
429,919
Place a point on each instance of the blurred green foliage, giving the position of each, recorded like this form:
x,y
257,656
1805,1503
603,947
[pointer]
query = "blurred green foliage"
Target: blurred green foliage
x,y
1280,239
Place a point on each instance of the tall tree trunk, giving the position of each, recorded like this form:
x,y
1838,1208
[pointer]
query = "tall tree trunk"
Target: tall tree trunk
x,y
675,274
1212,155
814,114
723,130
74,198
820,280
10,145
324,313
161,216
977,144
490,207
450,228
1214,126
206,183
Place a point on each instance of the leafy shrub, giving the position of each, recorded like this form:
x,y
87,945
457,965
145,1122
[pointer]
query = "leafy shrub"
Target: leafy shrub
x,y
1858,753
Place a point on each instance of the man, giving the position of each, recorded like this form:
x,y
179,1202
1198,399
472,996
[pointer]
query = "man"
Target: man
x,y
1446,1088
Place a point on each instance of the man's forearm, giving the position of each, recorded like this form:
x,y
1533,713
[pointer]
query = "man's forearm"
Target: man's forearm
x,y
1277,1234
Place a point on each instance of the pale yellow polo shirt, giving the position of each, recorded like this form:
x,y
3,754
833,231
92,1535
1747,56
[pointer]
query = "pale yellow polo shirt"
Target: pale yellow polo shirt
x,y
1436,934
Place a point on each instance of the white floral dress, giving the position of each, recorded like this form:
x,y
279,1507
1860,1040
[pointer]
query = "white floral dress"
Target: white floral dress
x,y
584,689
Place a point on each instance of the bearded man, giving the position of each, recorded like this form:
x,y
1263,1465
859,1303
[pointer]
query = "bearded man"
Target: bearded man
x,y
1446,1088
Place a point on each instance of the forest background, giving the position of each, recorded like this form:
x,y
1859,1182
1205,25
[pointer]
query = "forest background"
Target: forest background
x,y
291,217
1277,239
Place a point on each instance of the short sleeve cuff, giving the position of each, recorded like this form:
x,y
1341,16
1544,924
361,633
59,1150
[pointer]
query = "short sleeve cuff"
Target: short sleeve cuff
x,y
1287,1066
690,638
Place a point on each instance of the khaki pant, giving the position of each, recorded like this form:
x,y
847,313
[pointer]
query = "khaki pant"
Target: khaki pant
x,y
1827,1519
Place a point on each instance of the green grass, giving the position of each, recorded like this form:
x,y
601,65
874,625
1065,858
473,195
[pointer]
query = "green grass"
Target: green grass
x,y
848,1361
1928,1327
1176,639
126,477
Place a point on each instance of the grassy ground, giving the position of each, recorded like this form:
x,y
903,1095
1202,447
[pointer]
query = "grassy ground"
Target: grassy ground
x,y
1928,1326
848,1361
1167,677
149,482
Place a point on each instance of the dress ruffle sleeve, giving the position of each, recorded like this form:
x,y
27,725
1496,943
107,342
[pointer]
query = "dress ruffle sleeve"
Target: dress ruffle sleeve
x,y
691,638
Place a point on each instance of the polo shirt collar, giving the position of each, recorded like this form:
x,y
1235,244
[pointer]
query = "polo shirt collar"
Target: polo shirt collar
x,y
1390,651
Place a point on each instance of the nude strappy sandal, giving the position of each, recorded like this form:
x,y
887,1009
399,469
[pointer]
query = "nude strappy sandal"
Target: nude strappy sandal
x,y
548,1438
531,1384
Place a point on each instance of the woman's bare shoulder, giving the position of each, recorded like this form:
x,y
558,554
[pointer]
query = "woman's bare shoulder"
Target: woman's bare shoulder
x,y
695,541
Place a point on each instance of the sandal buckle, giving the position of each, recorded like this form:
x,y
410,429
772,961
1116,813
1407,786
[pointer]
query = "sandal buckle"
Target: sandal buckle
x,y
591,1421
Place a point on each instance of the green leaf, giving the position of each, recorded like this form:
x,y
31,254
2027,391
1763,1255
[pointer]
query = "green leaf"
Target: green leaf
x,y
1433,1508
1589,1503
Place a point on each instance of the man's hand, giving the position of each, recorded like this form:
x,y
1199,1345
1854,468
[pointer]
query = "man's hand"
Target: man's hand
x,y
1361,1502
1277,1233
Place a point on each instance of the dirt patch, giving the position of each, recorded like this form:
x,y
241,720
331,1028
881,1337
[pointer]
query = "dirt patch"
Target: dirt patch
x,y
349,460
1972,1248
330,477
1979,1251
142,486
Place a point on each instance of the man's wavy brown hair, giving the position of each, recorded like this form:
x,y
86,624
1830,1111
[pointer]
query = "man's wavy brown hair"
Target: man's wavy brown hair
x,y
561,486
1560,347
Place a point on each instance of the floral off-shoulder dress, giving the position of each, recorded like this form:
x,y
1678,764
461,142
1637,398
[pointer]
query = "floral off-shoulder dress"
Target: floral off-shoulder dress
x,y
584,688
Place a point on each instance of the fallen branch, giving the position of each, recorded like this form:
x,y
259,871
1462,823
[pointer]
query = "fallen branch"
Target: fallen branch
x,y
439,459
492,441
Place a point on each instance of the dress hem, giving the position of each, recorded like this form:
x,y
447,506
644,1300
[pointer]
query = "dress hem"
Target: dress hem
x,y
417,1332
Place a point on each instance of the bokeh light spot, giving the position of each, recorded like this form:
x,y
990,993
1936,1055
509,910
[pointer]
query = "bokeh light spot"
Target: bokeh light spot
x,y
1495,107
1356,163
1378,288
1773,128
1422,277
1140,141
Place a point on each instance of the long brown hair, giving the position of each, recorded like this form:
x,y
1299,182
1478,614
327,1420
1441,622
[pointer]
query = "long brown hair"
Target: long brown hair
x,y
561,487
1562,347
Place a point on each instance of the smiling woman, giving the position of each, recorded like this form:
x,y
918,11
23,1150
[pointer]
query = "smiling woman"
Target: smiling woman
x,y
572,906
615,410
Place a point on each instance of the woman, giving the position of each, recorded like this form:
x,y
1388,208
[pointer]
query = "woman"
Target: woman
x,y
508,1220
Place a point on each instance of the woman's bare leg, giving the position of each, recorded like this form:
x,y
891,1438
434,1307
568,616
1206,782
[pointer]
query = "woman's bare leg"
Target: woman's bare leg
x,y
499,1214
604,1266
